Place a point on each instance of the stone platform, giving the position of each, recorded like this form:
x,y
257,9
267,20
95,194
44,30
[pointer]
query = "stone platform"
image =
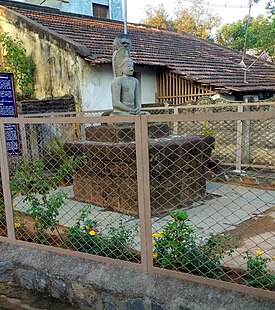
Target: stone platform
x,y
109,177
124,133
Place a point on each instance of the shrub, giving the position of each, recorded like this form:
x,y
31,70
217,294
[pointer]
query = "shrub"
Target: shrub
x,y
65,164
177,247
86,237
22,66
257,273
31,180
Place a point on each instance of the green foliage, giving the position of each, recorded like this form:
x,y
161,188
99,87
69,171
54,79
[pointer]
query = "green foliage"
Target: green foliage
x,y
31,180
197,19
65,164
45,212
260,37
18,63
2,212
86,237
158,17
194,18
177,247
206,129
270,8
257,273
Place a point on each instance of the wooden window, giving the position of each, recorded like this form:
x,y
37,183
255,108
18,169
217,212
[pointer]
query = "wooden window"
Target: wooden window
x,y
101,11
177,90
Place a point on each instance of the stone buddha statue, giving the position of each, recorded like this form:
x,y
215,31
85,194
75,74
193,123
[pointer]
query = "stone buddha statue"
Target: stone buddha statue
x,y
125,88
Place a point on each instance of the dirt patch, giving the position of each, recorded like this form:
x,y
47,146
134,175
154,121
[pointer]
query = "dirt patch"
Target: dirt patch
x,y
259,224
256,234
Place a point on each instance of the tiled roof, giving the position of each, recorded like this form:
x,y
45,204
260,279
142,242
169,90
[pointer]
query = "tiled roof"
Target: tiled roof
x,y
194,58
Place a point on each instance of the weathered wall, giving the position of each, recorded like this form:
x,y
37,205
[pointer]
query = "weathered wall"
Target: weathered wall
x,y
61,72
59,69
102,286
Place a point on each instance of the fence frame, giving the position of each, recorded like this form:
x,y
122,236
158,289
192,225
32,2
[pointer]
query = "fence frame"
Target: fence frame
x,y
141,131
243,127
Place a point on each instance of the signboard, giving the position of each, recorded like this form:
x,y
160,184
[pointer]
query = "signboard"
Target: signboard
x,y
8,109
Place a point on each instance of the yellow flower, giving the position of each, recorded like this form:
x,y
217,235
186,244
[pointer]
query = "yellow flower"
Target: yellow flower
x,y
259,253
154,243
92,233
155,255
87,227
13,205
17,225
157,235
273,258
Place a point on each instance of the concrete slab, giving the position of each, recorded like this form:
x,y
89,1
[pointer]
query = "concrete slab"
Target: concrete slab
x,y
224,209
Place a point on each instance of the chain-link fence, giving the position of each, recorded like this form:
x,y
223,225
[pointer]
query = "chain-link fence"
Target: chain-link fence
x,y
256,137
152,191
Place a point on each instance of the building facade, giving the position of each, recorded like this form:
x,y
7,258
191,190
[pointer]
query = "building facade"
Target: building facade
x,y
73,56
110,9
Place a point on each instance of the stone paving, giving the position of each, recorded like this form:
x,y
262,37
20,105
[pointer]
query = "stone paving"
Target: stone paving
x,y
224,208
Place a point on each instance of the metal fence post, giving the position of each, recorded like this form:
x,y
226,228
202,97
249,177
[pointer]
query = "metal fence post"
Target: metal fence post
x,y
5,184
143,179
239,141
246,137
176,124
22,128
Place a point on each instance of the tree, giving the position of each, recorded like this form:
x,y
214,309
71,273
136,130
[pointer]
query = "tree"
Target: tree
x,y
260,36
270,7
195,19
158,17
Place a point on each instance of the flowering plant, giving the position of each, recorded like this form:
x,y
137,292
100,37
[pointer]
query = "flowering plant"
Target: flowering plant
x,y
86,236
257,273
177,247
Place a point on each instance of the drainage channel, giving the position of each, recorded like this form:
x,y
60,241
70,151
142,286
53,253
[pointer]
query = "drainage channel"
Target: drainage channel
x,y
15,298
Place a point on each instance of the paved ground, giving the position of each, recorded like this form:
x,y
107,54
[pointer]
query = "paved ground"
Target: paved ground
x,y
226,208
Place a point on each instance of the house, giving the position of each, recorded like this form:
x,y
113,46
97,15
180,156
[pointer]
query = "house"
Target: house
x,y
99,8
73,54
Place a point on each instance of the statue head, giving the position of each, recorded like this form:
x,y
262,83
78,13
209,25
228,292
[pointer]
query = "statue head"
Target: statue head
x,y
127,67
122,41
121,47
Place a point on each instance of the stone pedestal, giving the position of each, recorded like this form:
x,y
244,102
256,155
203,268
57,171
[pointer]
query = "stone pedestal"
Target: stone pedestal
x,y
109,178
125,133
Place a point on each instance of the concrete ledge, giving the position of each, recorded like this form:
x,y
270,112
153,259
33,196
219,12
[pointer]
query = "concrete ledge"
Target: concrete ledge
x,y
102,286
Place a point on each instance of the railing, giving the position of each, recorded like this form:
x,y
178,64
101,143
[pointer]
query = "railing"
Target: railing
x,y
135,194
244,154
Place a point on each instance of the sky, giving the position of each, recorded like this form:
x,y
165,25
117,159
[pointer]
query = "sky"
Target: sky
x,y
229,10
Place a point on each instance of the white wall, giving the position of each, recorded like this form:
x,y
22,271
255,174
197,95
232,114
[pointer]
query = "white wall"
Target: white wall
x,y
148,84
96,87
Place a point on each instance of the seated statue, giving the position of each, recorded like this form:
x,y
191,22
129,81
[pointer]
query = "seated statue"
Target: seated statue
x,y
125,90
